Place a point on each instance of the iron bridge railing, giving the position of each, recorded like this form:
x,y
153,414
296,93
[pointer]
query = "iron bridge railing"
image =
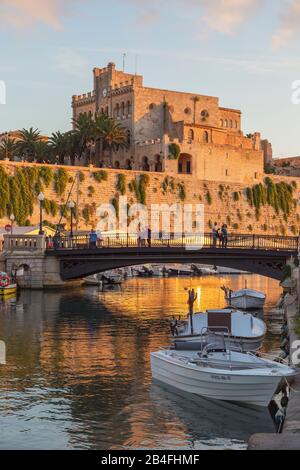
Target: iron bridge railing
x,y
258,242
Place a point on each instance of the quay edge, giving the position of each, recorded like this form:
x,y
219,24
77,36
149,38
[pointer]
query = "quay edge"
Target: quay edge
x,y
289,439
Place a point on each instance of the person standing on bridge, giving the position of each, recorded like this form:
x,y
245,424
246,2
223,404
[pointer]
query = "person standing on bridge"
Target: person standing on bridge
x,y
215,234
149,237
93,239
224,236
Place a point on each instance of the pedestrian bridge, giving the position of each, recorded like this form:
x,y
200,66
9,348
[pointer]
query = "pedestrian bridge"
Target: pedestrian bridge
x,y
259,254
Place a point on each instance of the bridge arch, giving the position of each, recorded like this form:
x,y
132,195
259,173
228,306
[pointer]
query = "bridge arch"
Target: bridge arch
x,y
82,263
24,276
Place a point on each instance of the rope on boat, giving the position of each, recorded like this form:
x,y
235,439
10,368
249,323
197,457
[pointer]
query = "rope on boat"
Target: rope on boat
x,y
291,388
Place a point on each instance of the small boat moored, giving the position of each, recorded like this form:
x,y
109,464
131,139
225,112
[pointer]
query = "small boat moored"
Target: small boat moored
x,y
7,287
240,330
245,299
221,374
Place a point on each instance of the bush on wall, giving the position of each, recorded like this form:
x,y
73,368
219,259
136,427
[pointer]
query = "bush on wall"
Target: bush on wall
x,y
100,176
174,151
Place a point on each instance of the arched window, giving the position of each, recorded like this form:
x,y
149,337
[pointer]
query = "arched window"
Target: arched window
x,y
221,123
128,108
236,124
225,123
205,137
117,110
191,135
122,109
106,111
185,164
117,164
231,124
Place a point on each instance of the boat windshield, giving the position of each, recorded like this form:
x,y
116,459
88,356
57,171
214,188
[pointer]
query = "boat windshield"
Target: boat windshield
x,y
214,342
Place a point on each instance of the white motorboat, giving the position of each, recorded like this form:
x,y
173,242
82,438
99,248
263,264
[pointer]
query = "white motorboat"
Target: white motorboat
x,y
94,280
220,374
240,330
246,299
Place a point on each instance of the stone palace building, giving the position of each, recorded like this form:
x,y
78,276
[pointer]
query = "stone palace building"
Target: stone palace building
x,y
208,141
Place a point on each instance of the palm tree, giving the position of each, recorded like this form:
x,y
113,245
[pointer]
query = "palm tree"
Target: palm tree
x,y
59,145
41,151
74,146
27,140
99,126
114,137
84,126
8,148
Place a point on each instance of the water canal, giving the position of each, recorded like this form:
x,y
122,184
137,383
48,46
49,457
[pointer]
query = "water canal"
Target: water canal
x,y
78,372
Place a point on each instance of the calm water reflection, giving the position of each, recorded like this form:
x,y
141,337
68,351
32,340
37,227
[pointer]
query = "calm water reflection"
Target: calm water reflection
x,y
78,374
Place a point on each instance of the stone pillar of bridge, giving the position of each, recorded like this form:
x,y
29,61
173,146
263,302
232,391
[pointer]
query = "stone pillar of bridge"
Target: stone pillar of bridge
x,y
52,277
26,254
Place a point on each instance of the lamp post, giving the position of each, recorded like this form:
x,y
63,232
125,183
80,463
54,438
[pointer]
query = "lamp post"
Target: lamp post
x,y
71,207
12,219
41,198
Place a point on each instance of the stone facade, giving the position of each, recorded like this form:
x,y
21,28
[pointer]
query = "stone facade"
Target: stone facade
x,y
289,166
212,144
218,196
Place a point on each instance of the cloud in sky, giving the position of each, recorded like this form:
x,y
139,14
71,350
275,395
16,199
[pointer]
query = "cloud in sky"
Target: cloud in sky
x,y
289,24
25,13
226,16
223,16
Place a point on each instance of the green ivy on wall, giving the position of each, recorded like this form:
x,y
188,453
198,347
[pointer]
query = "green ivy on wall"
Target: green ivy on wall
x,y
139,187
277,195
81,176
100,176
236,196
51,207
182,192
18,192
46,174
60,181
168,184
121,184
115,203
208,198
